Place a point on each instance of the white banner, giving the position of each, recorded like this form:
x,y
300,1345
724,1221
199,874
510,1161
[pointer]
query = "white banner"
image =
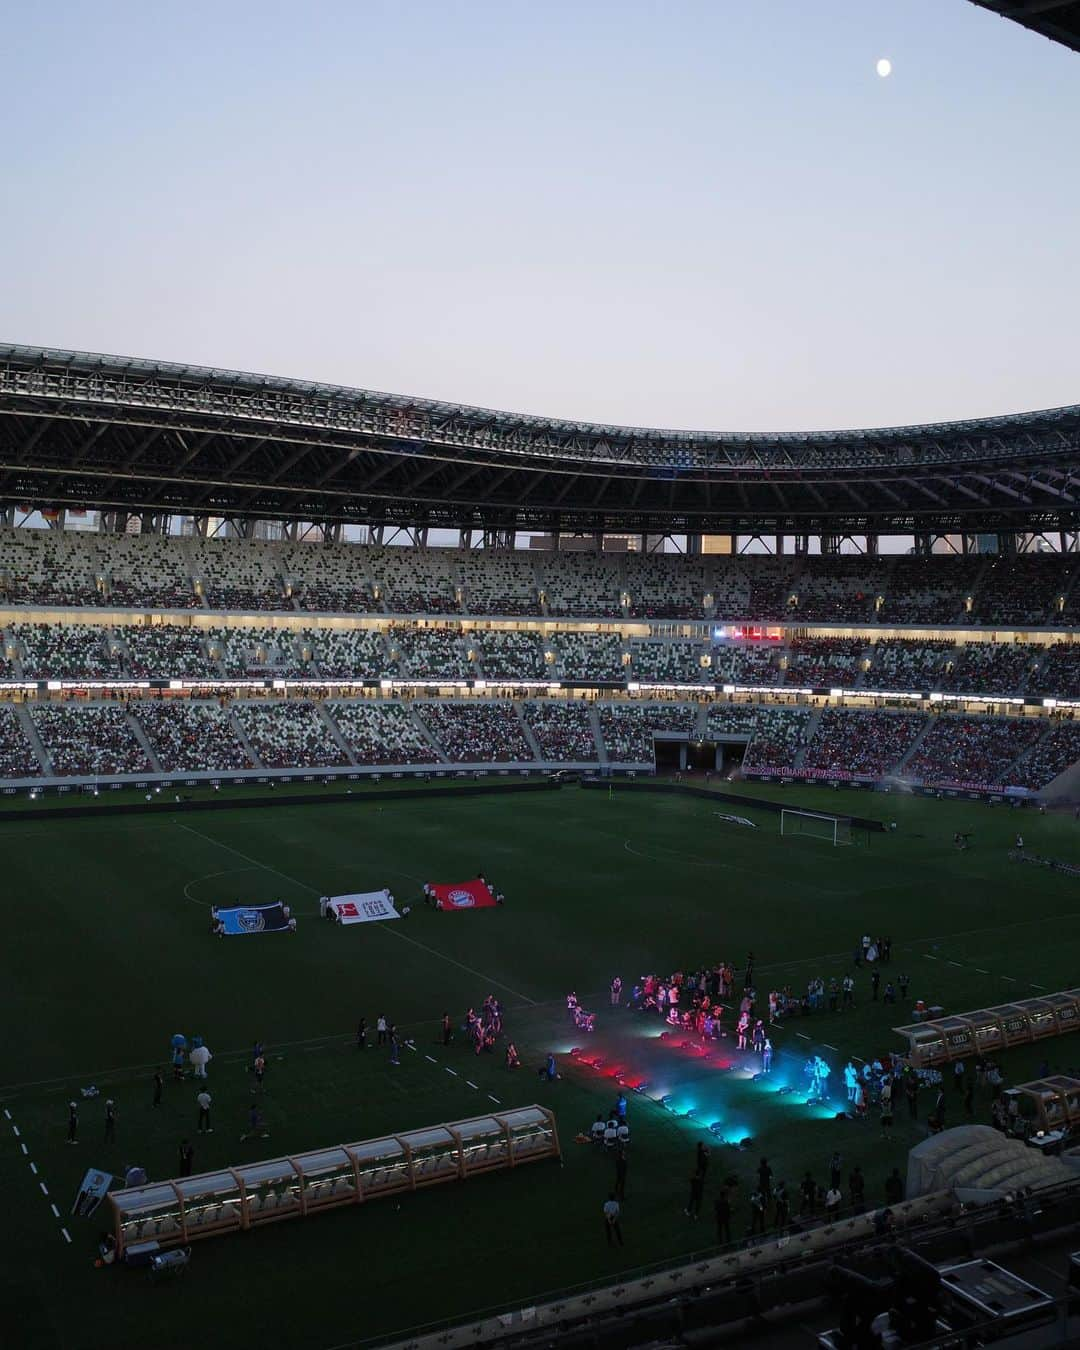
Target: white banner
x,y
367,907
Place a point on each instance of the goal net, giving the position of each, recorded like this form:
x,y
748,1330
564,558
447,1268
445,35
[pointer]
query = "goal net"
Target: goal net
x,y
816,825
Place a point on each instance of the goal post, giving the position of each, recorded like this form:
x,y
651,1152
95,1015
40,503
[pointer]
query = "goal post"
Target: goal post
x,y
833,830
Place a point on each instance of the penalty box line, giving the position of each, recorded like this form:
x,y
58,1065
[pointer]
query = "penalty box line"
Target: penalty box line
x,y
469,970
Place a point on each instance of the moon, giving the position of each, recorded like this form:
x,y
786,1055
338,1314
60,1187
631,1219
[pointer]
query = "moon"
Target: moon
x,y
884,67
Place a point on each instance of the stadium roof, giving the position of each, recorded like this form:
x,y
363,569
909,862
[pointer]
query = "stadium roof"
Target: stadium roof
x,y
85,430
1058,20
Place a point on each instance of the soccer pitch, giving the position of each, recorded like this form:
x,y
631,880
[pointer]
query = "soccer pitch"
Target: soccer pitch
x,y
107,954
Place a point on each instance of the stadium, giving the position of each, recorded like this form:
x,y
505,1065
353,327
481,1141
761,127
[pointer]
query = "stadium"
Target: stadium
x,y
481,879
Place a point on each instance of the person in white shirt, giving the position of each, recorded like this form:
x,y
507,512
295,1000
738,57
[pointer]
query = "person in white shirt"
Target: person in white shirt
x,y
612,1215
204,1099
833,1200
380,1027
623,1133
597,1131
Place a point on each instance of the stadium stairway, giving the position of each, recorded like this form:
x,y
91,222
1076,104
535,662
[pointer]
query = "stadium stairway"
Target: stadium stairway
x,y
22,713
811,732
915,746
519,709
598,740
335,731
241,736
438,755
140,735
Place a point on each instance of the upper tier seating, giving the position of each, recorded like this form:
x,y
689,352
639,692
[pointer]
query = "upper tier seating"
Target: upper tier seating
x,y
929,590
1056,671
499,581
329,578
663,586
578,585
1026,590
839,589
416,580
347,653
241,578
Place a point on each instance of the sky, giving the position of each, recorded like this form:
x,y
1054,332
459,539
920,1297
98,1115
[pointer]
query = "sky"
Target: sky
x,y
685,214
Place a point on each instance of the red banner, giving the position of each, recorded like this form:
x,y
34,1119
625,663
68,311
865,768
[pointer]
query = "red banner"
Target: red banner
x,y
464,895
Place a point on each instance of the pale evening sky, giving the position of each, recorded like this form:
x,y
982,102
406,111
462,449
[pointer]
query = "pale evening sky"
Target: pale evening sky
x,y
704,213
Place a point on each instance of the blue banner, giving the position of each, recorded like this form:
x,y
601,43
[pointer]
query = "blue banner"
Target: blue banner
x,y
247,919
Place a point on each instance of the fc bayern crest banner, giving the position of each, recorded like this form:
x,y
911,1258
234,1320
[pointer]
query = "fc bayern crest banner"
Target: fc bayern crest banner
x,y
243,920
367,907
464,895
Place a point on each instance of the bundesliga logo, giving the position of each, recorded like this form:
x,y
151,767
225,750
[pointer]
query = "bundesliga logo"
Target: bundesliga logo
x,y
461,899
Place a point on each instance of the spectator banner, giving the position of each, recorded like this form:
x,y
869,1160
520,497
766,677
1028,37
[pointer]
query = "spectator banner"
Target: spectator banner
x,y
464,895
246,919
367,907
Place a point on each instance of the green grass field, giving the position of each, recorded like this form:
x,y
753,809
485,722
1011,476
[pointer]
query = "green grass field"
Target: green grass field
x,y
106,954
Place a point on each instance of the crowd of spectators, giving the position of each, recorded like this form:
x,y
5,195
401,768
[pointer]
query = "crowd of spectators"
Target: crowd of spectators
x,y
18,758
1029,589
510,655
868,742
627,728
988,668
166,651
476,733
415,580
499,581
929,590
839,589
1056,672
908,663
192,736
260,651
976,751
1053,754
239,579
88,739
428,653
381,733
289,735
67,651
674,662
825,662
328,578
665,586
779,737
772,589
747,663
730,719
581,585
562,730
347,653
591,656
